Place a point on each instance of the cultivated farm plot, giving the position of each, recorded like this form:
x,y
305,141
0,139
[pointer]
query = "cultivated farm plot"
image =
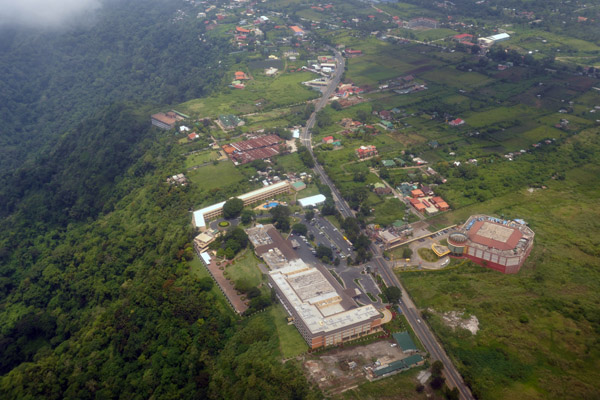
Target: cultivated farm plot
x,y
452,77
500,114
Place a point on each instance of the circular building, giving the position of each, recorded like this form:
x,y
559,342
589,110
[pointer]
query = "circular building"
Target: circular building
x,y
456,243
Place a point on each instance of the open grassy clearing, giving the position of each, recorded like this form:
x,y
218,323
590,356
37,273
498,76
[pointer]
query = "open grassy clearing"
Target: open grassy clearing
x,y
539,340
452,77
291,343
399,386
201,158
215,176
283,90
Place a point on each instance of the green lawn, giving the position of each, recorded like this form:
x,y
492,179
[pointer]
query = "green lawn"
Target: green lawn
x,y
215,176
201,158
246,268
388,211
291,343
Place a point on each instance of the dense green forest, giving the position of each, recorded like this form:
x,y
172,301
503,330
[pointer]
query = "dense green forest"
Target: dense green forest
x,y
107,306
133,51
96,295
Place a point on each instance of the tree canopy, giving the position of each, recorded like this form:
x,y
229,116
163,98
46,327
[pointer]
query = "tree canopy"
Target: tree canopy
x,y
232,208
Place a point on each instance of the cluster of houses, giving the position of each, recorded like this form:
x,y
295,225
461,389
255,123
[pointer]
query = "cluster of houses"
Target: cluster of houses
x,y
331,140
239,76
366,152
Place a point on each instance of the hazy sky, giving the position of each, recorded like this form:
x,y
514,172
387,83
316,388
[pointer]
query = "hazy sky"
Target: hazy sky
x,y
44,13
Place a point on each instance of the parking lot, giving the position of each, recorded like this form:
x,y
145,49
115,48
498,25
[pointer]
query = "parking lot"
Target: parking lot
x,y
328,235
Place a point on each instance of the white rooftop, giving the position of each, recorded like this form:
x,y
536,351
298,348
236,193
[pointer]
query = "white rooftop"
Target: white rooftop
x,y
198,218
322,311
199,214
312,200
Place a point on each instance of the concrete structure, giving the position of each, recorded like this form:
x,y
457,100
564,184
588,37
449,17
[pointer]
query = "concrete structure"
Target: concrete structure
x,y
203,240
201,216
269,245
398,366
494,243
298,186
312,201
297,30
324,315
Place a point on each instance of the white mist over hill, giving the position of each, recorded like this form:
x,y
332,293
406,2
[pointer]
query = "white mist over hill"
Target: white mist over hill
x,y
44,13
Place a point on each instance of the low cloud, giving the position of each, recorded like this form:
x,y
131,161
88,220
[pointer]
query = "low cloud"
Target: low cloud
x,y
45,13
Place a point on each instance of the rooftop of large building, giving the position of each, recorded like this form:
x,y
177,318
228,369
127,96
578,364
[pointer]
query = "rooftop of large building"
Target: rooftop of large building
x,y
505,236
321,307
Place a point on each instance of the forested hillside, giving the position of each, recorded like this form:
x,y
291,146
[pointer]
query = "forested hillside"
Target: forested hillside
x,y
132,50
96,295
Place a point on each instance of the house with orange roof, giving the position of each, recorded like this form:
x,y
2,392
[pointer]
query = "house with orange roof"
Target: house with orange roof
x,y
241,76
297,30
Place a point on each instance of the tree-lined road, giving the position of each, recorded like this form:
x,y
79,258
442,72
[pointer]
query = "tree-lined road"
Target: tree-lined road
x,y
407,306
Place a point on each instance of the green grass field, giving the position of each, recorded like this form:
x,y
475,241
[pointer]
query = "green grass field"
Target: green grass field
x,y
201,158
291,343
452,77
285,89
246,268
399,386
215,176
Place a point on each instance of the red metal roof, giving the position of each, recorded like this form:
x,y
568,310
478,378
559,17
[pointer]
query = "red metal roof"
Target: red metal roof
x,y
509,244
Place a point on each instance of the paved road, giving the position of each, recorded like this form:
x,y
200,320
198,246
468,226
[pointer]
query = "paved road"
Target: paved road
x,y
378,263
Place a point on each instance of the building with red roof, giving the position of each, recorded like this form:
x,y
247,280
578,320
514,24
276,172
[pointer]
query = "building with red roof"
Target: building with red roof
x,y
417,193
463,37
242,30
494,243
366,151
328,139
297,30
456,122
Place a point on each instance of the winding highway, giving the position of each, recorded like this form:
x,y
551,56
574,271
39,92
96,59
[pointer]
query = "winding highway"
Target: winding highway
x,y
410,311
